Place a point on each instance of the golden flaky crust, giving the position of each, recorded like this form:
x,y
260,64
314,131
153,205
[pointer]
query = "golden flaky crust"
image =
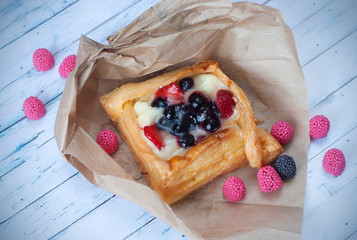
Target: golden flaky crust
x,y
226,150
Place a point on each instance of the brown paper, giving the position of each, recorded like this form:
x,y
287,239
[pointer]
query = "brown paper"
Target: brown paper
x,y
255,48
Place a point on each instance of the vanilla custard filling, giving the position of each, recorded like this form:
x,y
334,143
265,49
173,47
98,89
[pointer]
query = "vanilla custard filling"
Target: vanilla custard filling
x,y
147,115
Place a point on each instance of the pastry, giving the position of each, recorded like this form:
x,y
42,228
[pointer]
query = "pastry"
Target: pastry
x,y
187,127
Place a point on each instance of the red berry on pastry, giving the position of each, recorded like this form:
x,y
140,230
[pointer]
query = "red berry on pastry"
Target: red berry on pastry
x,y
234,189
282,131
334,162
171,92
153,134
34,109
108,141
319,126
67,65
43,60
269,180
225,103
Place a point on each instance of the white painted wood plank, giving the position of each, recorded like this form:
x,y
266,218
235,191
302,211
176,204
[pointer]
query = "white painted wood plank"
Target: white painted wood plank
x,y
16,138
333,69
342,117
6,4
336,219
57,34
25,15
334,22
154,230
41,170
55,211
297,11
117,219
321,186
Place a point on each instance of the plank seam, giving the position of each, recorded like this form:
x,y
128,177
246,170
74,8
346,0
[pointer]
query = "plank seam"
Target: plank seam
x,y
349,236
355,127
38,25
44,143
139,228
82,217
32,71
333,92
333,45
21,146
38,198
8,6
315,13
13,168
326,201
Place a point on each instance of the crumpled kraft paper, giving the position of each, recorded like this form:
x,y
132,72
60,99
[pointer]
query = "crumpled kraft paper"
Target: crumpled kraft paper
x,y
255,48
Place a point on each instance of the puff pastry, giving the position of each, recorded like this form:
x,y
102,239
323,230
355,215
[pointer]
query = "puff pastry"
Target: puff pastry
x,y
239,144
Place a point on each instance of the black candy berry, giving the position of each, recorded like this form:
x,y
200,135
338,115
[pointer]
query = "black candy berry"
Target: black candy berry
x,y
186,83
285,166
160,103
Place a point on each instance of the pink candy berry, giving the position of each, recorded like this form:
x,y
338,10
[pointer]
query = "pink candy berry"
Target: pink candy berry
x,y
319,126
334,162
108,141
269,180
67,66
34,109
234,189
282,131
43,59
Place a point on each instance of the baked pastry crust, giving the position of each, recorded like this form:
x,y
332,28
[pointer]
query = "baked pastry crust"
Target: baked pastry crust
x,y
237,144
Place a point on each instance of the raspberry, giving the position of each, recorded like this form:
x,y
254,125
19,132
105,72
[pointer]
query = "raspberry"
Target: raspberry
x,y
34,109
234,189
67,65
269,180
334,162
43,60
108,141
172,93
282,131
285,166
225,103
319,126
153,134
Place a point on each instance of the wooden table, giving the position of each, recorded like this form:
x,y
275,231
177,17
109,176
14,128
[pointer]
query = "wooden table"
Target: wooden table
x,y
42,196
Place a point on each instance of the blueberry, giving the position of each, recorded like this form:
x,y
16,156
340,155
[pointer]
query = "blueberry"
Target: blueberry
x,y
190,119
203,113
180,128
214,109
187,140
165,124
184,108
211,123
196,100
170,113
186,83
160,103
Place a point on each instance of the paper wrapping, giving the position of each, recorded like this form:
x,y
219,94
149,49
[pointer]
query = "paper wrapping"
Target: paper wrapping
x,y
255,48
